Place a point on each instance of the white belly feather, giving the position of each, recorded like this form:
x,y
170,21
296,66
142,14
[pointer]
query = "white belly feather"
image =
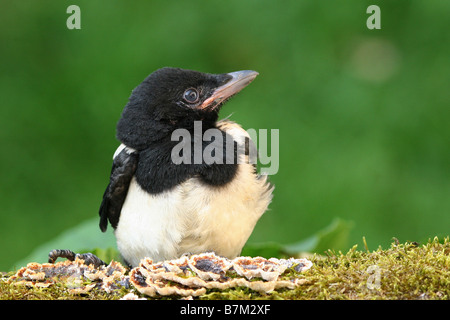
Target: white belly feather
x,y
192,217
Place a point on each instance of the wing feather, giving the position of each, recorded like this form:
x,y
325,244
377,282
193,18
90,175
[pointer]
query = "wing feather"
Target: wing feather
x,y
123,169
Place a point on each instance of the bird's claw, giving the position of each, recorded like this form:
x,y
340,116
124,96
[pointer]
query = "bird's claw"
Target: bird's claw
x,y
88,258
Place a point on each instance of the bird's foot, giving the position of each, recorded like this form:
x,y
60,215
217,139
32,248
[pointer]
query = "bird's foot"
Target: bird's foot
x,y
88,258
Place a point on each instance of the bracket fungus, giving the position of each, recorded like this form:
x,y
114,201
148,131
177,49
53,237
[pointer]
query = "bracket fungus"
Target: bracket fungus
x,y
187,276
193,276
75,275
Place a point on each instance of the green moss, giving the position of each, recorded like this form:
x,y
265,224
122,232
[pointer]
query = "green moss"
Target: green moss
x,y
404,271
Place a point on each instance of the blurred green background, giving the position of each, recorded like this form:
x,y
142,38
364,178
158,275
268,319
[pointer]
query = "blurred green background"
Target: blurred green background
x,y
363,114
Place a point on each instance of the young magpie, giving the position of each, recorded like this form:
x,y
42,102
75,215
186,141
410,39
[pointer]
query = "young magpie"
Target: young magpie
x,y
162,209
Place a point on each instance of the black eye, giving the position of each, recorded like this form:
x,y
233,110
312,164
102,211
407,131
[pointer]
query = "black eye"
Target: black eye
x,y
191,95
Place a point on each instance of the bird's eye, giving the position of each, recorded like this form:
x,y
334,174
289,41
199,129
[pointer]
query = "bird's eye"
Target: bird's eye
x,y
191,95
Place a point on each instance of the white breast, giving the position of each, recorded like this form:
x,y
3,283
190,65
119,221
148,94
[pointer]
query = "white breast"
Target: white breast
x,y
192,217
150,226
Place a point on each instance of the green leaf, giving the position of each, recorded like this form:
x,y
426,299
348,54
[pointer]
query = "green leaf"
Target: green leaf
x,y
265,249
82,238
335,237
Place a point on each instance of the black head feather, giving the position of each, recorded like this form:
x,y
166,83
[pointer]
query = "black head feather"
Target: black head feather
x,y
158,105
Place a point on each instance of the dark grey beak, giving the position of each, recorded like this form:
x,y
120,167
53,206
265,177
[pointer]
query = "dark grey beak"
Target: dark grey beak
x,y
239,80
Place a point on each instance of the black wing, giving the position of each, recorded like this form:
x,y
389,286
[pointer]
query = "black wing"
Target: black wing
x,y
123,169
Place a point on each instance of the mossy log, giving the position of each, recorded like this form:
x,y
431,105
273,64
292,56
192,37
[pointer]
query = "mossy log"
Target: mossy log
x,y
404,271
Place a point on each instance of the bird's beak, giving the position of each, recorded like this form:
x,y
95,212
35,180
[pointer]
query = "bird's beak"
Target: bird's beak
x,y
238,81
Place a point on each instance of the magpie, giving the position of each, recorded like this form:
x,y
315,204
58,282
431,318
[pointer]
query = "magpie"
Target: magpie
x,y
161,208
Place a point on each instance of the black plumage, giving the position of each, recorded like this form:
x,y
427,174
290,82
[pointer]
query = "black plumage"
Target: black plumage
x,y
123,169
155,109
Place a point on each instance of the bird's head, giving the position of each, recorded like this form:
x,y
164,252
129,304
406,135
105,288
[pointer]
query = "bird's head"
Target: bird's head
x,y
172,98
